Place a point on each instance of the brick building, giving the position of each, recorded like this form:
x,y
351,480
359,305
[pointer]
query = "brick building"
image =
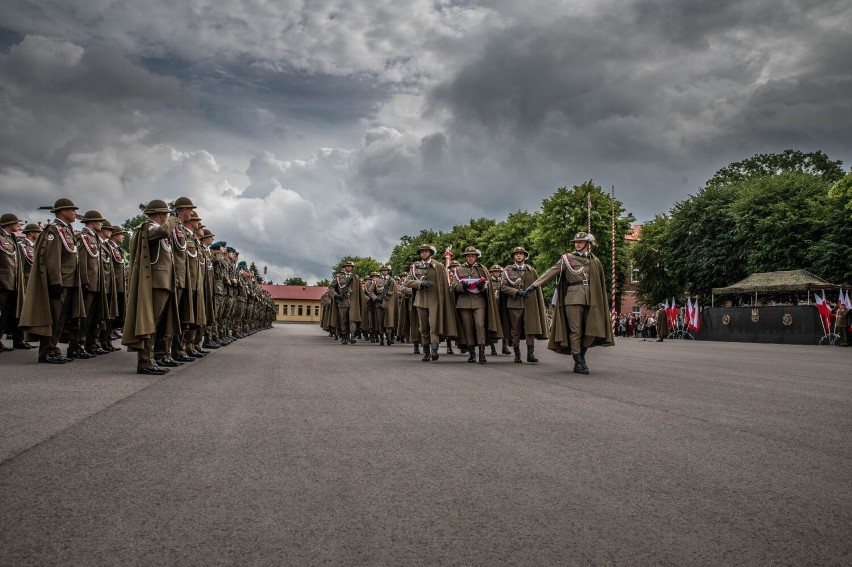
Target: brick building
x,y
296,303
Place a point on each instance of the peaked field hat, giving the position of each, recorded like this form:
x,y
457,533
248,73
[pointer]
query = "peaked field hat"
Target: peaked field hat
x,y
63,204
471,250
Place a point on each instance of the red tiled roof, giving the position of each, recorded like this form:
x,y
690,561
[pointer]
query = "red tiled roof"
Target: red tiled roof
x,y
299,292
635,235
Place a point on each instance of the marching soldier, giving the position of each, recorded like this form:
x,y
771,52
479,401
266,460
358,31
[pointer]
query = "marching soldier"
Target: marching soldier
x,y
151,307
433,300
54,295
526,314
119,270
10,281
582,316
477,307
346,288
842,324
27,244
496,282
382,291
662,324
110,290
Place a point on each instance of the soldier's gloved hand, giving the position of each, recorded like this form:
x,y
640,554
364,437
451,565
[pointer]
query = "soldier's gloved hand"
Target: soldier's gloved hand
x,y
522,293
338,296
54,291
427,284
529,290
85,287
480,285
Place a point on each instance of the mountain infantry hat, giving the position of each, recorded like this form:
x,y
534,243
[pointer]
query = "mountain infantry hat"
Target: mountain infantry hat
x,y
9,218
471,250
428,247
584,237
106,225
520,249
156,206
375,275
194,216
116,229
207,233
348,263
496,268
63,204
183,203
454,264
383,268
32,227
92,216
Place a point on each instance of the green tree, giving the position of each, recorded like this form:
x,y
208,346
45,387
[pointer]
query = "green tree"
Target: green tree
x,y
364,265
655,283
461,236
323,282
295,281
842,190
814,163
130,226
503,237
564,214
405,253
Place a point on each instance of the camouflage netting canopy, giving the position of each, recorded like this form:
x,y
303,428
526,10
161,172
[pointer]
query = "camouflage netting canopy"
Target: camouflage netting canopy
x,y
775,282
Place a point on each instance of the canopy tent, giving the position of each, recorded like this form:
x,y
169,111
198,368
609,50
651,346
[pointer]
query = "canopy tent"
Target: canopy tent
x,y
792,281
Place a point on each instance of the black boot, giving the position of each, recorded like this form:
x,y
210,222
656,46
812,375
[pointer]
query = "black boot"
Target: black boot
x,y
518,354
506,348
659,340
381,339
493,350
434,351
578,365
530,356
482,354
390,339
450,347
345,340
416,348
583,359
426,357
471,356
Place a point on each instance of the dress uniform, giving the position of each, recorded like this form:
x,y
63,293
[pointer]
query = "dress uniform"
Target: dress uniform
x,y
346,287
10,280
54,294
582,317
495,281
469,281
83,345
433,300
526,314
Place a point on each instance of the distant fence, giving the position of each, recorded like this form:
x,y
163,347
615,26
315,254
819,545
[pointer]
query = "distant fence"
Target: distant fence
x,y
790,324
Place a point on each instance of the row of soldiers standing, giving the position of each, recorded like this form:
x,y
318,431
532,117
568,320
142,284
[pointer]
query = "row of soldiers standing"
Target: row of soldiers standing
x,y
176,297
475,307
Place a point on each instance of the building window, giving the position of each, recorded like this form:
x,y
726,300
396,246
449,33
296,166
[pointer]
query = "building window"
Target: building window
x,y
300,311
292,310
316,310
636,310
634,276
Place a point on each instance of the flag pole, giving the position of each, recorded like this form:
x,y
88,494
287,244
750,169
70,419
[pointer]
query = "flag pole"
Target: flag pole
x,y
613,257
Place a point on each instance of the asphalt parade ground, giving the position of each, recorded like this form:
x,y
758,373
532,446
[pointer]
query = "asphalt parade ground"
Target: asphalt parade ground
x,y
286,448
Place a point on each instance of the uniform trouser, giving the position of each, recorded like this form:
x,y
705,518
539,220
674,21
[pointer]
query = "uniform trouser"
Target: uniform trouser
x,y
843,332
180,340
159,299
576,316
428,324
89,326
8,309
473,321
60,309
219,303
163,345
380,319
516,320
343,322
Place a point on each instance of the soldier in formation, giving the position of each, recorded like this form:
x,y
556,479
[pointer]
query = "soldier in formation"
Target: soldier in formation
x,y
78,287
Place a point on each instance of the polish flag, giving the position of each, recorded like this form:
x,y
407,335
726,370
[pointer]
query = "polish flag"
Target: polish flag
x,y
672,313
689,313
824,311
847,301
695,321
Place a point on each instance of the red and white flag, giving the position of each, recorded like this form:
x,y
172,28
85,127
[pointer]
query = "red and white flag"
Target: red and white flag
x,y
824,311
847,301
671,312
695,320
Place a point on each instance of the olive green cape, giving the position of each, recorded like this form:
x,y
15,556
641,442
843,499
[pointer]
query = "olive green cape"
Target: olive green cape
x,y
597,323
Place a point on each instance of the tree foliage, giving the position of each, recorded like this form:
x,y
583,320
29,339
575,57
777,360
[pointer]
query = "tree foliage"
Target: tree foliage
x,y
655,283
325,282
814,163
364,266
295,281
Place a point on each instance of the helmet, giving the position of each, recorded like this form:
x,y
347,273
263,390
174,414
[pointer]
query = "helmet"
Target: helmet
x,y
585,237
520,249
183,203
63,204
156,206
8,218
92,216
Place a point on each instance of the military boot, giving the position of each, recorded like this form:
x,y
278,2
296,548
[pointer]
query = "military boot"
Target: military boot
x,y
530,356
583,359
493,350
506,348
579,368
390,338
518,354
434,351
345,340
416,348
381,339
482,354
471,355
450,347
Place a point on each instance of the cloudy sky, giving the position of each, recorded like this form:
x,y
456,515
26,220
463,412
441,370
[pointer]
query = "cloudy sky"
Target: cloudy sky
x,y
305,131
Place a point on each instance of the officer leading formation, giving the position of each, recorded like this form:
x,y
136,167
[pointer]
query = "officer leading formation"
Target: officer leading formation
x,y
475,307
176,296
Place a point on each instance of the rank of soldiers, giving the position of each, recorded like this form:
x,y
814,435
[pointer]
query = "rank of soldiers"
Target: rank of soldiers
x,y
474,307
176,296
